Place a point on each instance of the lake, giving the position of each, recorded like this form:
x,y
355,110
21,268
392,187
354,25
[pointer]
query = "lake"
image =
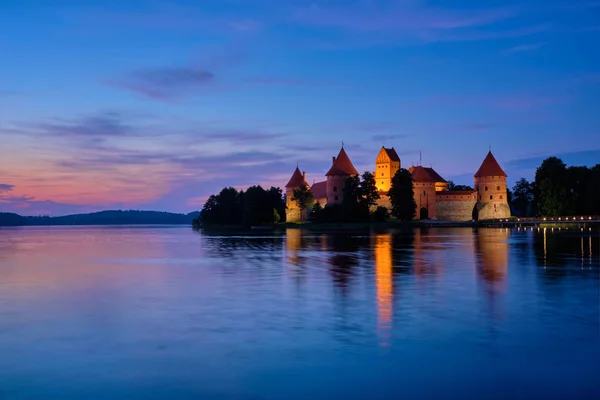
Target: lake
x,y
431,313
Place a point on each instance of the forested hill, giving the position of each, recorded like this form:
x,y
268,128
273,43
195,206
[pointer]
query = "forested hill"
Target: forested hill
x,y
116,217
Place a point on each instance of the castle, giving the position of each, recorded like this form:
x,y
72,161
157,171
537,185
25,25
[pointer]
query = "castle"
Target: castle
x,y
434,199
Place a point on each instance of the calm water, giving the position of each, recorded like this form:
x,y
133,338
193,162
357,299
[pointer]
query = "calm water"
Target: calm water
x,y
165,312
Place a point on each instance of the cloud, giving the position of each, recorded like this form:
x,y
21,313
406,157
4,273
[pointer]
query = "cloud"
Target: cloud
x,y
584,157
4,188
165,83
102,125
524,48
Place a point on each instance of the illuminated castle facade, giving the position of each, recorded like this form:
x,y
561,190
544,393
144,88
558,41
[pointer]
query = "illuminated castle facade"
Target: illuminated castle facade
x,y
434,200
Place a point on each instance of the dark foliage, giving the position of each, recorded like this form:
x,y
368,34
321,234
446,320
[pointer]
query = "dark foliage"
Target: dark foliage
x,y
253,207
453,186
522,198
561,190
401,195
381,214
10,219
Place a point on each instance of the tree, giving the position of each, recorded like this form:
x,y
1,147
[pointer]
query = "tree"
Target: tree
x,y
402,197
551,191
381,214
522,196
453,186
368,190
303,198
277,202
316,212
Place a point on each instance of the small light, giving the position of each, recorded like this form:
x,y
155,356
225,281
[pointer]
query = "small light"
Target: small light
x,y
582,218
544,218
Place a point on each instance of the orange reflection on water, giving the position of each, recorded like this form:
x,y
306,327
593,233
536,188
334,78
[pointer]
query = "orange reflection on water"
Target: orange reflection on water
x,y
383,281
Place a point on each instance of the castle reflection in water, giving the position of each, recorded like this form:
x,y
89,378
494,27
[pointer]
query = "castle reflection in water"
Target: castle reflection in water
x,y
429,255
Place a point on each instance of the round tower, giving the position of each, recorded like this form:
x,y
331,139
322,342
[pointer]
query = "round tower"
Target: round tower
x,y
490,184
292,212
341,169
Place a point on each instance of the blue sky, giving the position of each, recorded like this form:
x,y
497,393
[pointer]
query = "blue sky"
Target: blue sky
x,y
157,104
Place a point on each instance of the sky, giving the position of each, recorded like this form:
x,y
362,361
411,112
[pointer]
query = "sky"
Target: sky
x,y
155,105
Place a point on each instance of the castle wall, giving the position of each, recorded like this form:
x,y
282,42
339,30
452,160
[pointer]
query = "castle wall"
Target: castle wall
x,y
455,206
492,211
335,189
292,212
425,197
492,197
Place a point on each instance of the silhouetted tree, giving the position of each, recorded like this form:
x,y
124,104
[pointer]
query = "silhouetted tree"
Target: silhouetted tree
x,y
551,190
401,195
453,186
380,214
316,212
368,190
303,198
277,202
522,196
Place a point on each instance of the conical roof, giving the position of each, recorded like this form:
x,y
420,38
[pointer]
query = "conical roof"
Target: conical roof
x,y
489,167
296,180
342,165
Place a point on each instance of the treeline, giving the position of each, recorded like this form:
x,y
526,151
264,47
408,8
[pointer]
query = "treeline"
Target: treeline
x,y
253,207
359,202
257,206
109,217
558,190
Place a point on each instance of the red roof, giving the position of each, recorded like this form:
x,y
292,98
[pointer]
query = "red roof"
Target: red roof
x,y
436,177
489,167
420,174
296,180
392,154
319,190
342,165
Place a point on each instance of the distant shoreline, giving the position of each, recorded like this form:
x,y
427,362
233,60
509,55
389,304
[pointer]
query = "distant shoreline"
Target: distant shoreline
x,y
101,218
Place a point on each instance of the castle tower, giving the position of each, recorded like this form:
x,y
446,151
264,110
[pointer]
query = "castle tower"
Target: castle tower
x,y
424,192
387,164
490,184
341,169
292,212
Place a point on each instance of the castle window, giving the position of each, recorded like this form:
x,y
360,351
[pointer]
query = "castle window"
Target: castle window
x,y
424,193
382,174
382,183
486,188
335,188
491,197
479,197
501,197
335,197
498,188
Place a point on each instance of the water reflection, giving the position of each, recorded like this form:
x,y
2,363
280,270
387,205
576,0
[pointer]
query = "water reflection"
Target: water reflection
x,y
383,279
492,256
298,314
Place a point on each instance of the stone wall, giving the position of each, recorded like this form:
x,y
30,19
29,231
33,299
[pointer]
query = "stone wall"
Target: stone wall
x,y
456,206
492,211
293,215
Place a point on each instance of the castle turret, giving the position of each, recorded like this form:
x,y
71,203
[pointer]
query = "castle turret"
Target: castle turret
x,y
387,164
490,184
341,169
292,211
